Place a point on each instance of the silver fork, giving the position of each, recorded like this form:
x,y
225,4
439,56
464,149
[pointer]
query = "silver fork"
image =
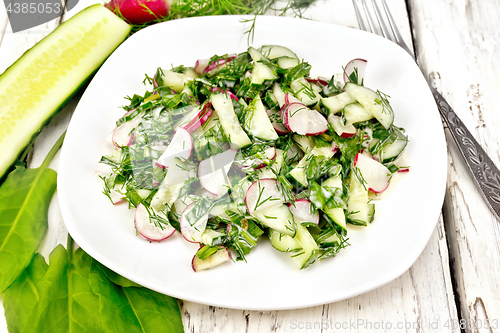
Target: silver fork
x,y
484,171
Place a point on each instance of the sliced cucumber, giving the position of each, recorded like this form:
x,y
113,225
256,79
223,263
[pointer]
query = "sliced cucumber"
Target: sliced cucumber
x,y
287,62
279,95
357,205
310,249
229,121
305,143
306,92
283,243
267,171
277,51
373,102
262,73
394,150
336,103
176,81
355,113
43,80
258,122
299,171
211,237
278,218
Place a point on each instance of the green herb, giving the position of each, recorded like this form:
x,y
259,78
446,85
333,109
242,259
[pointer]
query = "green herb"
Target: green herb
x,y
74,294
24,202
191,8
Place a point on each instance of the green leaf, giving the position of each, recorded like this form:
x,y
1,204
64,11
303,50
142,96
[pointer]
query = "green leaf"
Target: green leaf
x,y
132,309
24,202
55,298
117,278
74,294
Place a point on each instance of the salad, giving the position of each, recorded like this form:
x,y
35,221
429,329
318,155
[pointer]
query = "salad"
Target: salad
x,y
243,146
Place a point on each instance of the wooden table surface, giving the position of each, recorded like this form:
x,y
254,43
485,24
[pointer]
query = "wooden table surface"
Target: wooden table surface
x,y
456,280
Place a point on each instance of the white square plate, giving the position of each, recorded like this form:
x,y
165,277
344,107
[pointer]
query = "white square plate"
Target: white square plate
x,y
378,254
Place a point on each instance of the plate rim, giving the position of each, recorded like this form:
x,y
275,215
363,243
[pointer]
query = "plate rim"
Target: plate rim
x,y
89,249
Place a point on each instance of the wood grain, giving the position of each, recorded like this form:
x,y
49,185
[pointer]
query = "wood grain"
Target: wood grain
x,y
414,302
457,43
418,301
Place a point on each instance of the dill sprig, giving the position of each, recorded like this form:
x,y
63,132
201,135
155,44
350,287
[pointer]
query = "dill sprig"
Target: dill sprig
x,y
192,8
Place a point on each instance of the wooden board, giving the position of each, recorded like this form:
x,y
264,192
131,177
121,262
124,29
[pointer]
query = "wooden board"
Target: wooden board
x,y
457,47
417,301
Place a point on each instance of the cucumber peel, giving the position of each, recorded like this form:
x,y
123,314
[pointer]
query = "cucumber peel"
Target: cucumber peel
x,y
46,76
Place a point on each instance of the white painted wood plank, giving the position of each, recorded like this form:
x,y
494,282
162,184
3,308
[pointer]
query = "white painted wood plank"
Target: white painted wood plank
x,y
418,300
422,294
458,43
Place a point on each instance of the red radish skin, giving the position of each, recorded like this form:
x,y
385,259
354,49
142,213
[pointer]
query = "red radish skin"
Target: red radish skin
x,y
225,91
317,124
318,81
221,256
216,65
199,118
140,11
335,148
192,232
270,153
296,118
343,131
376,175
268,188
279,128
301,212
121,141
289,99
115,196
160,166
200,65
147,229
358,63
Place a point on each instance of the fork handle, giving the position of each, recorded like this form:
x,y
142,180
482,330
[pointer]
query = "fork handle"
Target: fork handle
x,y
484,171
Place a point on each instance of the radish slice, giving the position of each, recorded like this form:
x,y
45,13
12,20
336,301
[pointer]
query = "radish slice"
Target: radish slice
x,y
335,147
289,99
149,230
200,65
212,172
192,230
196,118
269,153
123,135
278,127
317,124
181,146
222,255
262,194
343,131
358,63
225,91
318,81
296,118
302,212
218,64
376,175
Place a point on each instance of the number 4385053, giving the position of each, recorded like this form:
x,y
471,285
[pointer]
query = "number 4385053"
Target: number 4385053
x,y
33,8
